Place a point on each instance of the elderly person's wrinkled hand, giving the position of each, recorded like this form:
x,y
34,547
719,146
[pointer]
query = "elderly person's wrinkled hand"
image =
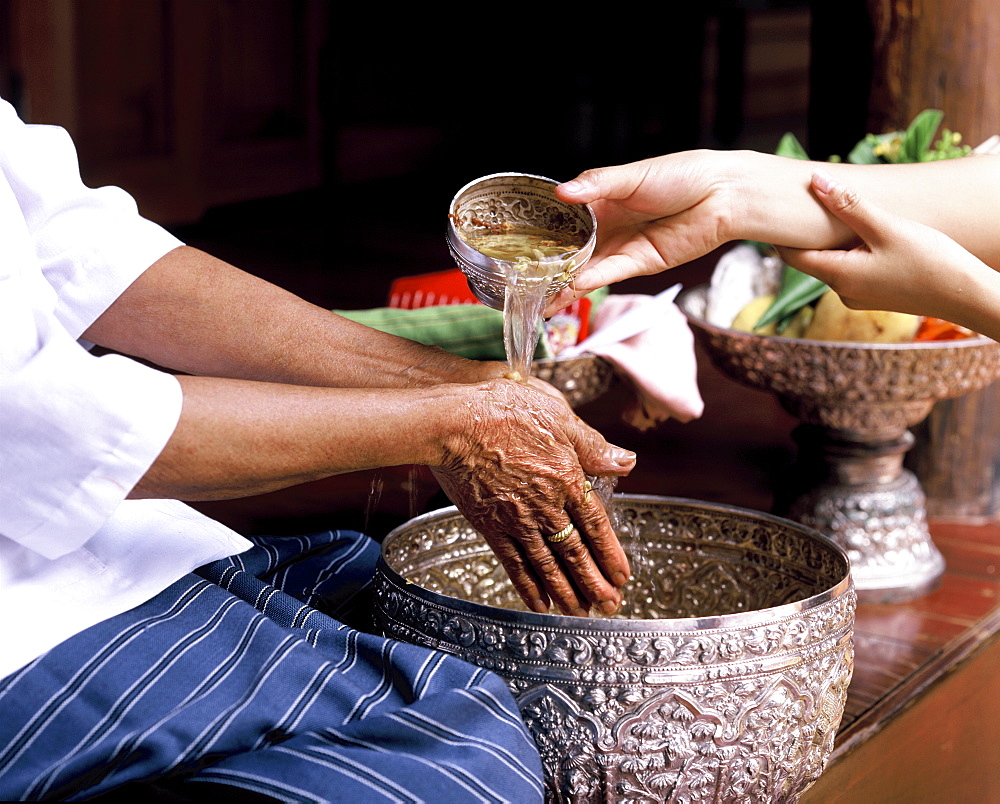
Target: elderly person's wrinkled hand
x,y
518,470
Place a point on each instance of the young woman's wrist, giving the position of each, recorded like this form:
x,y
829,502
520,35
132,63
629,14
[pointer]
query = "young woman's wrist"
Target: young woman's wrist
x,y
735,186
773,202
976,298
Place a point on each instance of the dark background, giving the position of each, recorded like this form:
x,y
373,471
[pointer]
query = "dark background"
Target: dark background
x,y
195,105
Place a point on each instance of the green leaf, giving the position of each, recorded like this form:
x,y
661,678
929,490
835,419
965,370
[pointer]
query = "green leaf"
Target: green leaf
x,y
864,152
790,146
919,136
796,291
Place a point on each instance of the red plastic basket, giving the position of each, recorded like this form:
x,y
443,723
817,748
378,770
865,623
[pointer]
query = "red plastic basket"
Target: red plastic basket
x,y
450,287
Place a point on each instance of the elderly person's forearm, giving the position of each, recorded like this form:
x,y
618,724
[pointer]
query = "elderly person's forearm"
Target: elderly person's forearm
x,y
511,455
238,438
194,313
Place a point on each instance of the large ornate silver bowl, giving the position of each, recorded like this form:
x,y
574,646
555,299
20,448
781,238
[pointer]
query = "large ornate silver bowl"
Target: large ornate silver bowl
x,y
519,199
856,402
724,681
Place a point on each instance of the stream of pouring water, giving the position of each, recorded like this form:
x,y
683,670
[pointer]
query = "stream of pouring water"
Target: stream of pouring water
x,y
374,497
527,287
637,551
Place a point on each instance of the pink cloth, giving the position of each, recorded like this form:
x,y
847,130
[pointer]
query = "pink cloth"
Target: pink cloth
x,y
660,362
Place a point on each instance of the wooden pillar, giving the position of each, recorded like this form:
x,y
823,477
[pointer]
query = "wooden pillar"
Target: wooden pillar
x,y
945,55
937,54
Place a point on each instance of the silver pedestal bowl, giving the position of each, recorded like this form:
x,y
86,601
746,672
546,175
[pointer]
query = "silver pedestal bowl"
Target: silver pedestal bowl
x,y
856,403
725,681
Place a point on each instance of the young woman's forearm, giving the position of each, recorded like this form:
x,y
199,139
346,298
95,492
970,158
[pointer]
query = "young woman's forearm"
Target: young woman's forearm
x,y
973,298
773,202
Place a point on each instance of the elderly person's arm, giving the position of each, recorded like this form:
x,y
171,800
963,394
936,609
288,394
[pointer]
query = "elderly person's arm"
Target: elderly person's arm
x,y
289,392
194,313
663,212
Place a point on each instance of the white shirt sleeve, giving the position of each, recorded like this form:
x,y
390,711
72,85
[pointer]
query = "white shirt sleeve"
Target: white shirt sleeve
x,y
90,244
76,431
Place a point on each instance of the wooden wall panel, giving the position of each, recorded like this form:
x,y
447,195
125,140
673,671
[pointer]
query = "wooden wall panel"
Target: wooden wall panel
x,y
122,91
187,104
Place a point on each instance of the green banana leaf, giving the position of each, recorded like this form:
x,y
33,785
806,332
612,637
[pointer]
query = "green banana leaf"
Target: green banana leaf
x,y
920,135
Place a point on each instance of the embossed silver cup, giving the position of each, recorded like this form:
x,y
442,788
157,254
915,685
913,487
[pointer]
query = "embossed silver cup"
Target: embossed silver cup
x,y
856,402
520,199
725,681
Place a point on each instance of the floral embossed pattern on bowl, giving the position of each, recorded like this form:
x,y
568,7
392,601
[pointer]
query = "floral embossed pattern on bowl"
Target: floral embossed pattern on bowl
x,y
517,199
868,390
856,403
581,379
724,681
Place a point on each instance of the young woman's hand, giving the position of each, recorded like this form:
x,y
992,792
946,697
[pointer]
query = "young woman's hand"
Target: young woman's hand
x,y
900,264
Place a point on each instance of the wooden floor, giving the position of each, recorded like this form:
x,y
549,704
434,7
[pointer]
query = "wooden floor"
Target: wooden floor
x,y
908,656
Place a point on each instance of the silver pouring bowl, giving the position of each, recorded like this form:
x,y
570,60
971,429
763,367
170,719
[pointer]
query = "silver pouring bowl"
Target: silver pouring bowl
x,y
521,199
726,680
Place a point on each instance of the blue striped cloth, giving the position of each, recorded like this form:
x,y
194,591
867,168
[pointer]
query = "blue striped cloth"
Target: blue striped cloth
x,y
237,684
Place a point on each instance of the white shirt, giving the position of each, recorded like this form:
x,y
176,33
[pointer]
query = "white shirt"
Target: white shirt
x,y
77,431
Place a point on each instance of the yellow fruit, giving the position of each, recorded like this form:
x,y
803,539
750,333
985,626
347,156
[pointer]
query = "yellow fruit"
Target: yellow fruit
x,y
750,315
835,321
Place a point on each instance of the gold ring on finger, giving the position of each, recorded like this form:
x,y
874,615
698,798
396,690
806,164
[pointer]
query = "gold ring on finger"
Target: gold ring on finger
x,y
560,535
